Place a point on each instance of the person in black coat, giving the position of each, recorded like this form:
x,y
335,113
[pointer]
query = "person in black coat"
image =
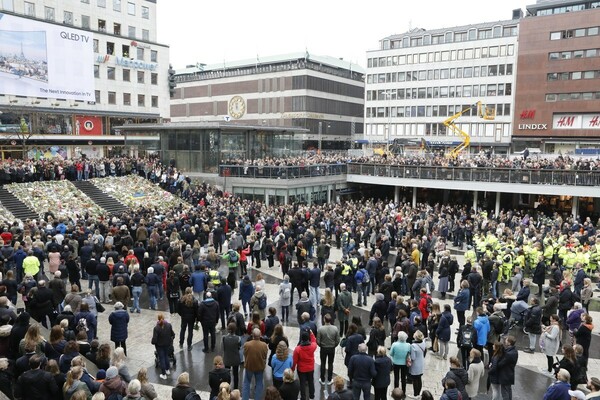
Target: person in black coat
x,y
506,366
532,324
36,384
379,308
565,301
17,333
353,339
162,339
386,288
223,297
208,316
383,366
525,291
217,376
290,388
539,274
188,310
183,387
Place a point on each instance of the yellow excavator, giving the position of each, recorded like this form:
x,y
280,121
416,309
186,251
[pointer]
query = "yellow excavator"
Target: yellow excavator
x,y
485,112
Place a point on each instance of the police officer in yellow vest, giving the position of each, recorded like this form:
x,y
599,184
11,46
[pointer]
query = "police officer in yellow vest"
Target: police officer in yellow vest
x,y
214,277
507,265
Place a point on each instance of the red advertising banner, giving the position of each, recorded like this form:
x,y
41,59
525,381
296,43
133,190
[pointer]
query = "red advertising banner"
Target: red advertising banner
x,y
85,125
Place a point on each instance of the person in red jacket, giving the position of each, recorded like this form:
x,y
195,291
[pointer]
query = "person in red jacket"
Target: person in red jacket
x,y
423,305
304,361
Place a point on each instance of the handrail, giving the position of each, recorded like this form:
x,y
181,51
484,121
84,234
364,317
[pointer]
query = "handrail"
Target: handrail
x,y
281,171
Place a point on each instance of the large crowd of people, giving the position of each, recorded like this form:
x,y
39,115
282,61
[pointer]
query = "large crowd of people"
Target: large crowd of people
x,y
197,256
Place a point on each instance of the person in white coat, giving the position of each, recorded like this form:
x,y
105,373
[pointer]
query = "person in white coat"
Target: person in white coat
x,y
550,342
475,373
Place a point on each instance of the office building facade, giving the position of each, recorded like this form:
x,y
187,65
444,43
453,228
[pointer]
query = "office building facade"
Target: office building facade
x,y
322,94
127,70
418,79
557,104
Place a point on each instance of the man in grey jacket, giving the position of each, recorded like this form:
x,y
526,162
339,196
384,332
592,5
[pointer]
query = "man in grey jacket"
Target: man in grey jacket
x,y
328,337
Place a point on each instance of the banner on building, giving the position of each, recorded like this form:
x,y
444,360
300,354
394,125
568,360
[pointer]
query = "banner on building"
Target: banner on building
x,y
38,59
85,125
576,121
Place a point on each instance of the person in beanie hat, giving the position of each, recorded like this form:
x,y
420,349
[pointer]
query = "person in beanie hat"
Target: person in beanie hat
x,y
113,383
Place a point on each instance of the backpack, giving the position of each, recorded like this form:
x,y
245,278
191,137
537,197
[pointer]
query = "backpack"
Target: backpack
x,y
288,259
262,302
366,278
286,293
115,396
429,304
467,336
192,396
81,325
500,326
233,257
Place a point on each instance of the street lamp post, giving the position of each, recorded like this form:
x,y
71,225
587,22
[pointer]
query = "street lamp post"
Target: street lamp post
x,y
320,135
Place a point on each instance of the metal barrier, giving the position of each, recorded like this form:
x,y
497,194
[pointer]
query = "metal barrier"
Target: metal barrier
x,y
281,172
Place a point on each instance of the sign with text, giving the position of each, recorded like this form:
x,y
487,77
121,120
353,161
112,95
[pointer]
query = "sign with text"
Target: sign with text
x,y
576,121
45,60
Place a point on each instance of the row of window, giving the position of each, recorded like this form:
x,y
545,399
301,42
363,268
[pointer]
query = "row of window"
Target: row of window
x,y
431,111
440,92
566,9
116,4
436,129
551,97
451,37
126,99
443,73
50,15
126,51
573,76
126,75
571,33
567,55
439,56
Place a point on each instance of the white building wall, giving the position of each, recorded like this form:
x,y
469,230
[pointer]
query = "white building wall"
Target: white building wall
x,y
389,114
140,15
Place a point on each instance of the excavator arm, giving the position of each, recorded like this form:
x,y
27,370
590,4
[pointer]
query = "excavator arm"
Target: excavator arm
x,y
450,123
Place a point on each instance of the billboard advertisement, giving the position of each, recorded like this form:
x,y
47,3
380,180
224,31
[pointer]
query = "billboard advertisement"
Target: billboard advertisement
x,y
44,60
86,125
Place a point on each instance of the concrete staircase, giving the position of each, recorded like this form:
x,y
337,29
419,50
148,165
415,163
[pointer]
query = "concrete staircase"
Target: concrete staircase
x,y
107,202
16,206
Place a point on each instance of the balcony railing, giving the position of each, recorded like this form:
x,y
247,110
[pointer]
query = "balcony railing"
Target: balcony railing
x,y
493,175
282,172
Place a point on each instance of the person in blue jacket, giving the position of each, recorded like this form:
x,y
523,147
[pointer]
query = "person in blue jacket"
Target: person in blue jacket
x,y
119,320
443,331
462,302
559,390
482,326
246,293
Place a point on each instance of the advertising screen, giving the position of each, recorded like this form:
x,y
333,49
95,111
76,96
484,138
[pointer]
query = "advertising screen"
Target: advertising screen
x,y
44,60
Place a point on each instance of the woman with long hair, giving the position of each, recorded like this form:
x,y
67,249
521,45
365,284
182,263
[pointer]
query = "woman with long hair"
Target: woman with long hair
x,y
56,343
569,362
224,391
376,336
119,360
327,306
550,339
74,384
162,339
188,310
33,340
103,356
147,391
173,291
274,340
417,356
280,361
494,373
256,323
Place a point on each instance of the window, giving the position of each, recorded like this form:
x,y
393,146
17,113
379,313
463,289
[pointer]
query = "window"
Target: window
x,y
460,36
553,56
126,75
592,31
579,32
141,100
576,75
590,53
97,96
8,5
140,53
555,35
140,76
494,51
153,55
468,72
508,90
96,71
96,46
49,13
85,1
101,3
145,34
68,18
565,55
117,29
497,31
130,8
445,55
110,73
145,12
578,54
154,78
448,37
85,21
154,101
117,5
29,9
110,48
112,97
553,76
588,75
492,70
131,31
126,99
125,50
102,25
484,34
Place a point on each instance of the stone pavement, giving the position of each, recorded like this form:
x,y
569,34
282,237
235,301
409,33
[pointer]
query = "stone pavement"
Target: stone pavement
x,y
530,383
